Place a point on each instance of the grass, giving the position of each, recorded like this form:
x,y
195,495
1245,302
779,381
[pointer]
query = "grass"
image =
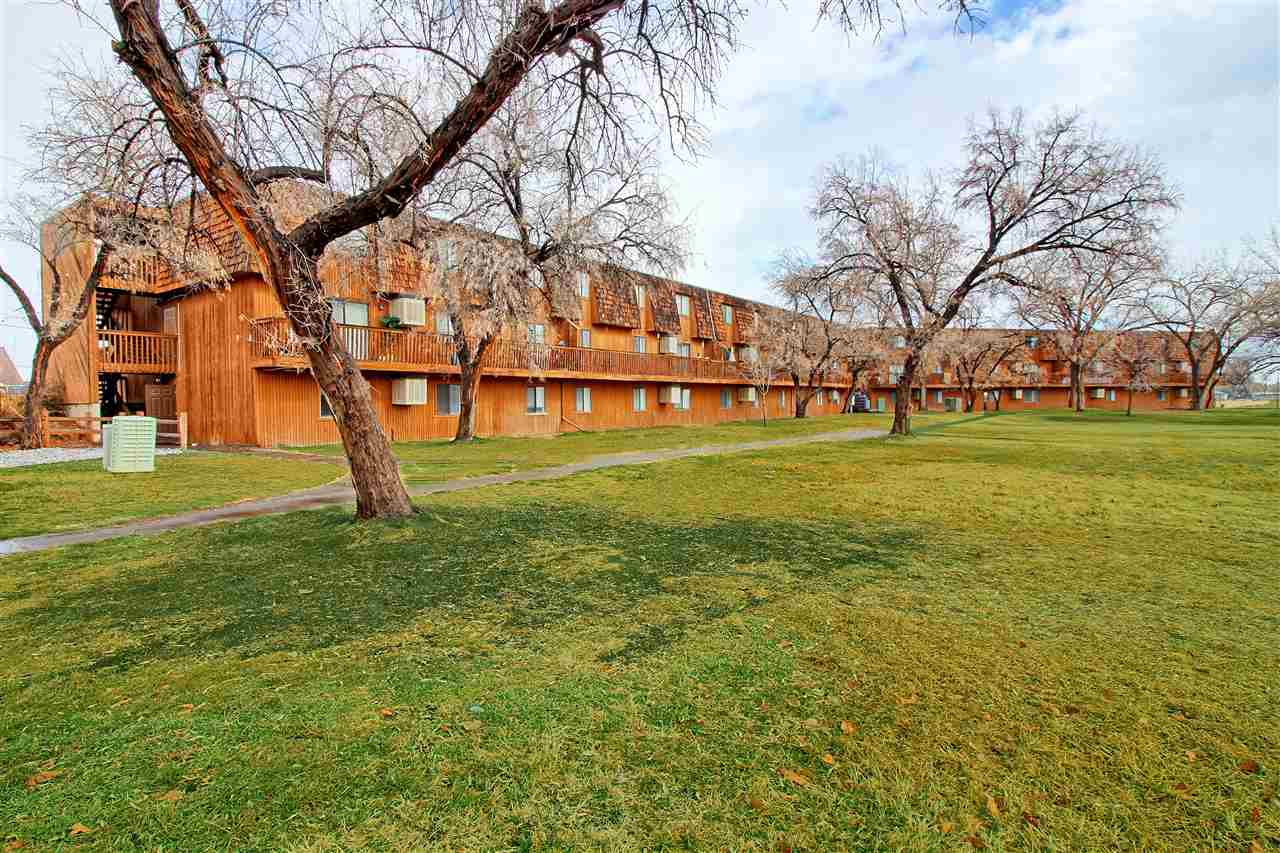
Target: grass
x,y
1047,632
73,495
435,461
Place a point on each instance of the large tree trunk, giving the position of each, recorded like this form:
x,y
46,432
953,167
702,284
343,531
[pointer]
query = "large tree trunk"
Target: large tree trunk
x,y
1077,386
902,398
469,388
1129,408
1196,402
33,402
375,476
802,402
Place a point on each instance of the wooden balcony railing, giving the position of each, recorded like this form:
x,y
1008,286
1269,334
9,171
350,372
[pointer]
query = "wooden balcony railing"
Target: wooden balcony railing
x,y
273,341
137,352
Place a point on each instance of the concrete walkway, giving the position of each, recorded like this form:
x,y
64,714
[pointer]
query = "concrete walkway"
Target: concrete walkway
x,y
337,494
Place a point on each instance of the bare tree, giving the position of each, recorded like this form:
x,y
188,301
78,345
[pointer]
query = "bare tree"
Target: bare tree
x,y
761,363
79,245
372,102
569,209
1213,310
1135,357
1080,301
983,360
863,353
814,331
1057,186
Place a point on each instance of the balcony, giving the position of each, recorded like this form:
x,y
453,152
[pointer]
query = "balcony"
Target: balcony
x,y
274,345
137,352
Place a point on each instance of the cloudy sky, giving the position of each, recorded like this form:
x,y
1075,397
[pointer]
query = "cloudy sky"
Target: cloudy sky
x,y
1195,81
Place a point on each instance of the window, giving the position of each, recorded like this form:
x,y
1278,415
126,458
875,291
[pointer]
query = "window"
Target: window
x,y
685,350
899,342
1184,367
535,400
444,324
782,401
1031,395
726,313
895,372
747,354
726,353
639,292
726,398
682,304
686,398
584,338
326,411
937,396
537,333
638,343
582,399
835,396
537,280
1162,394
448,399
1111,395
349,313
1032,342
584,284
448,255
637,398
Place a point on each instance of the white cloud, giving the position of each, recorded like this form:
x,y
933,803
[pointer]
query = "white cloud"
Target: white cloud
x,y
1194,81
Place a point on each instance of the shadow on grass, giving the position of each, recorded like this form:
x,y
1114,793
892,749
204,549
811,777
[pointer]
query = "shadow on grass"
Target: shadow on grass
x,y
311,580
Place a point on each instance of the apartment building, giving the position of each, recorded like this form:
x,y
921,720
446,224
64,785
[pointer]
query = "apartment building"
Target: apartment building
x,y
644,352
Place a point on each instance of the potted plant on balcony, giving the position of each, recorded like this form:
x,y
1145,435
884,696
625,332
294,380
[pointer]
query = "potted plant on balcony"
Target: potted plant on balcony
x,y
392,322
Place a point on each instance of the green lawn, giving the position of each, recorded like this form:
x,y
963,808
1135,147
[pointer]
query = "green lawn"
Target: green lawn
x,y
1047,632
434,461
73,495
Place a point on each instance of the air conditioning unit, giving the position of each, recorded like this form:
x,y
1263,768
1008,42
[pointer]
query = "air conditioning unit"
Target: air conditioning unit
x,y
1184,393
669,394
669,345
1097,393
409,391
1017,393
746,395
411,310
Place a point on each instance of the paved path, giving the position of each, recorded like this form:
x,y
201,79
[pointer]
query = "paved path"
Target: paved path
x,y
337,494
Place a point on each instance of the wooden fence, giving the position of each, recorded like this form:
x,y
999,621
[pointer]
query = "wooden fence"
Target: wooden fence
x,y
87,430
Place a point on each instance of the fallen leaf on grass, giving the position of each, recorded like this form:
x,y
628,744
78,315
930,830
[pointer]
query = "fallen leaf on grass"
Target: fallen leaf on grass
x,y
1256,815
975,842
78,829
793,777
15,844
828,758
186,709
42,777
386,713
472,725
1255,846
811,723
1249,766
756,803
1031,819
993,806
847,727
170,796
1191,755
945,826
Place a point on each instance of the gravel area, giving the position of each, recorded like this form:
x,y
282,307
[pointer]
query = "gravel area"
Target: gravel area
x,y
46,455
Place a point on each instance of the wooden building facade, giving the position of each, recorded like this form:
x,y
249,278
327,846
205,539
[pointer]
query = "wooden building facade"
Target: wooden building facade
x,y
647,352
